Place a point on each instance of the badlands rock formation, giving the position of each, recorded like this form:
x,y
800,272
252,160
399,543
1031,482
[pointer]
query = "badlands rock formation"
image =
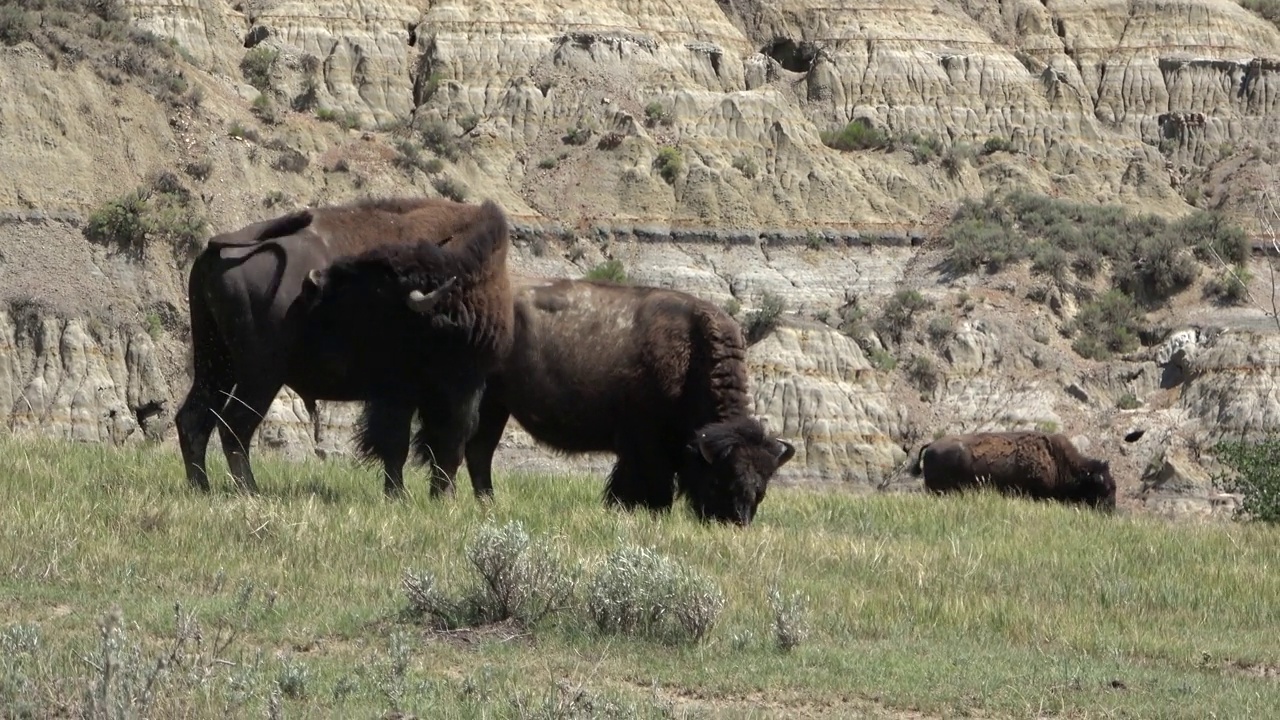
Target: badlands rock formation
x,y
570,113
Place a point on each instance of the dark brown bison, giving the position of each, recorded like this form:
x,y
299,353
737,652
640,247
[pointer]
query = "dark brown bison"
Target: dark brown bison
x,y
406,301
658,377
1034,464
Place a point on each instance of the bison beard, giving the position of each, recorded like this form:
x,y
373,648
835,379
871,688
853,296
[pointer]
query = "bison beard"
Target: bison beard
x,y
418,321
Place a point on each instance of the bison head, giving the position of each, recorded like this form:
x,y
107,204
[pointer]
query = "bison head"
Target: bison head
x,y
727,468
318,281
1095,485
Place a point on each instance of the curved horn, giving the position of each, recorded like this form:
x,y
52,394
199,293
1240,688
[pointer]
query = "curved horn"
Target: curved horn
x,y
424,302
704,448
785,451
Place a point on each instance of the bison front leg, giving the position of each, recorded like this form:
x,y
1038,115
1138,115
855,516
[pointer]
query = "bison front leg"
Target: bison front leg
x,y
383,434
642,477
480,448
449,419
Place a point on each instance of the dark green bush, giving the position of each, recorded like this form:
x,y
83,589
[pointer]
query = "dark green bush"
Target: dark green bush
x,y
1254,472
1109,324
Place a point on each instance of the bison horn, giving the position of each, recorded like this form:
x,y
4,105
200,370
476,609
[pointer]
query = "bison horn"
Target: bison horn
x,y
785,451
704,449
424,302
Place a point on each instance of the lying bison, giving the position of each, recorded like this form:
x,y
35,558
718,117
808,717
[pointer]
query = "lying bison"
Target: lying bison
x,y
404,301
1035,464
658,377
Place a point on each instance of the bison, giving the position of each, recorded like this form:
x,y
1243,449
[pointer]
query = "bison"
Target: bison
x,y
656,376
1034,464
402,300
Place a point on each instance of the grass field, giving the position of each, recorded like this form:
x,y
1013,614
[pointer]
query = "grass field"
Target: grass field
x,y
291,604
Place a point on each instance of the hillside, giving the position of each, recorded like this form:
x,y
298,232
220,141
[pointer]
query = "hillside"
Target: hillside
x,y
704,145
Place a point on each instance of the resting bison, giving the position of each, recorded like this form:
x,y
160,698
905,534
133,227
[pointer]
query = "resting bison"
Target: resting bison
x,y
1036,464
656,376
402,300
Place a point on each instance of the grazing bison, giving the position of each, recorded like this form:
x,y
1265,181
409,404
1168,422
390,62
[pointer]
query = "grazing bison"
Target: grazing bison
x,y
1035,464
406,301
656,376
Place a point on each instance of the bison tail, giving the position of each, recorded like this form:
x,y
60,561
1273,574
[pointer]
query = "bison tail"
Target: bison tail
x,y
917,466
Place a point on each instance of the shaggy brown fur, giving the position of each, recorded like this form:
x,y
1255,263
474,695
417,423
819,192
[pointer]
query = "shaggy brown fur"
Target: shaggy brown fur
x,y
656,376
1035,464
250,334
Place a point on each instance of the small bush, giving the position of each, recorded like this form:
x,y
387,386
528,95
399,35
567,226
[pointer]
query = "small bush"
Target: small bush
x,y
1128,401
307,99
199,169
611,270
857,135
881,360
256,67
637,591
469,122
548,163
1253,471
162,209
996,144
733,306
291,160
923,373
656,114
764,320
264,109
669,163
1108,325
898,316
239,131
790,624
1230,286
516,577
746,166
450,188
941,329
437,138
576,136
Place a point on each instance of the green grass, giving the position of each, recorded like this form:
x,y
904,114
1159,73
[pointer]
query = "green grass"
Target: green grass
x,y
916,604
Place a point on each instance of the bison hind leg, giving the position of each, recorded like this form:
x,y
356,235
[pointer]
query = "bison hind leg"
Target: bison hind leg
x,y
449,418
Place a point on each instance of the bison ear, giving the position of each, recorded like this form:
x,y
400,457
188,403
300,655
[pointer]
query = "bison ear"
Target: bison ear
x,y
785,452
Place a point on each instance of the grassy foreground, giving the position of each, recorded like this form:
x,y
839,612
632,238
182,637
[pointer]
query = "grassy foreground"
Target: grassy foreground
x,y
290,604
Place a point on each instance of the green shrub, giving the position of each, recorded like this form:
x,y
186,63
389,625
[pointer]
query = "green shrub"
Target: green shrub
x,y
514,577
923,373
1152,259
256,67
1253,471
1230,286
859,134
450,188
656,114
437,138
669,163
162,209
898,315
611,270
1109,324
637,591
762,321
1128,401
746,166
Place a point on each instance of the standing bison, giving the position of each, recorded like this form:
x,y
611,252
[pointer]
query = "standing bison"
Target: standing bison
x,y
402,301
1035,464
658,377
